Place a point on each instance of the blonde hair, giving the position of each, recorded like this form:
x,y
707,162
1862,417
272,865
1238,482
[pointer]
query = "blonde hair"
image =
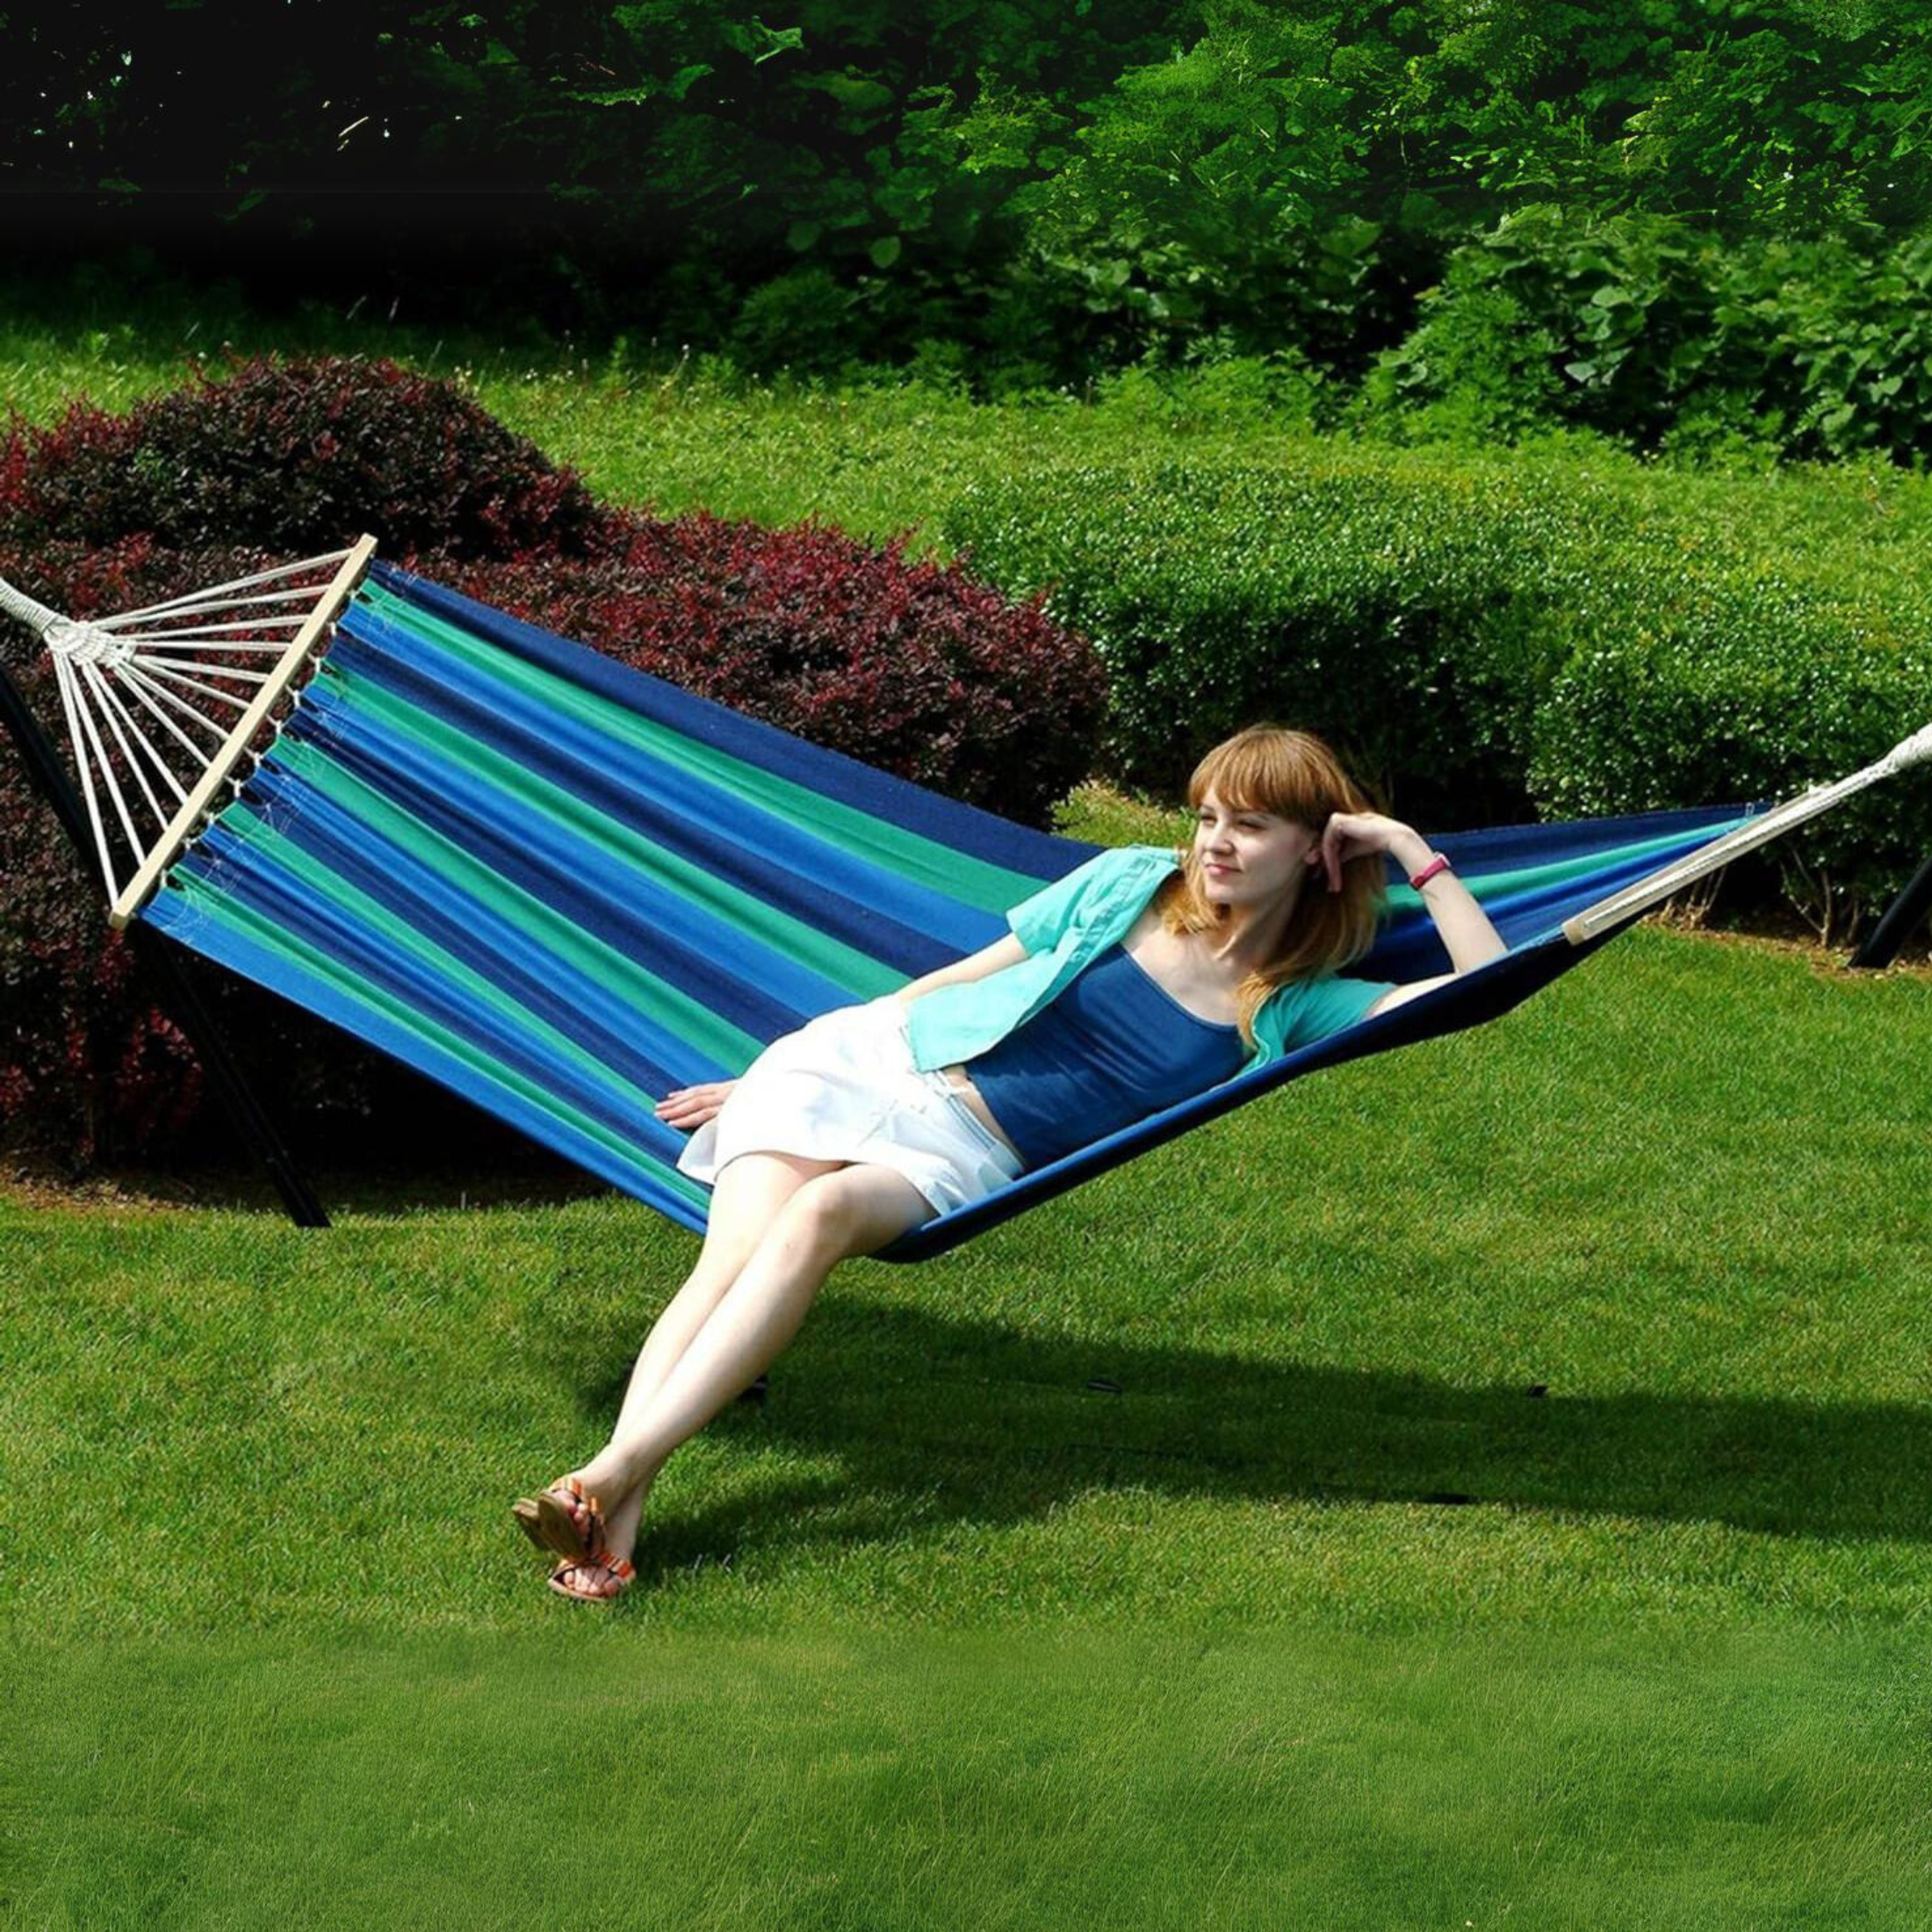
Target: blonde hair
x,y
1293,776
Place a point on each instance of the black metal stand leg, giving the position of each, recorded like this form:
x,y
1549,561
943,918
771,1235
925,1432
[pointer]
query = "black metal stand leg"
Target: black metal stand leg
x,y
1902,918
183,1000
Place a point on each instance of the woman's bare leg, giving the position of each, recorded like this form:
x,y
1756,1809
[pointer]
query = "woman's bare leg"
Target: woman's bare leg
x,y
852,1211
746,1200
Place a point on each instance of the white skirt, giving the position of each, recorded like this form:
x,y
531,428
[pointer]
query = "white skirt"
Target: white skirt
x,y
843,1088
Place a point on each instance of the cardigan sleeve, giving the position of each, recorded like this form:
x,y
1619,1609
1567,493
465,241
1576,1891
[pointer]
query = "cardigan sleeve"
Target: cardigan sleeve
x,y
1040,921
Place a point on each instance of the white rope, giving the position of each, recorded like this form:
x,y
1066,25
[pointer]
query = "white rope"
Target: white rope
x,y
121,725
232,671
237,748
295,622
138,685
1659,885
213,592
85,643
28,610
165,613
64,676
141,681
163,770
195,684
150,696
106,769
1905,753
216,637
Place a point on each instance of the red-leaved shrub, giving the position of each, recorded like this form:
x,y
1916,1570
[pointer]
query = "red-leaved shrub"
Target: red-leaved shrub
x,y
916,668
297,457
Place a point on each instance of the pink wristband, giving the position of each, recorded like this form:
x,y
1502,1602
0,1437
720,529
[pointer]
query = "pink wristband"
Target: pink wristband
x,y
1440,863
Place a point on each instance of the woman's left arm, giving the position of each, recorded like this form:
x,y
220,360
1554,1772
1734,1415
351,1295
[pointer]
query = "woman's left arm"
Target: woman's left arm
x,y
1462,925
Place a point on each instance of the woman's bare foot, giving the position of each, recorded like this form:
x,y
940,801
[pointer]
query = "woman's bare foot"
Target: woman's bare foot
x,y
592,1579
621,1525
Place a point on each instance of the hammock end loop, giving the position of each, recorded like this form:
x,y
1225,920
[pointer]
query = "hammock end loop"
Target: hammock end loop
x,y
86,644
40,618
1908,752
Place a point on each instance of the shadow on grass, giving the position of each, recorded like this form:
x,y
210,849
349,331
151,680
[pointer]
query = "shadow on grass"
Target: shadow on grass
x,y
506,1183
936,1419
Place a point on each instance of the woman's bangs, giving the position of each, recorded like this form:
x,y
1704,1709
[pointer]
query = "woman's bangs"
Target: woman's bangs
x,y
1263,772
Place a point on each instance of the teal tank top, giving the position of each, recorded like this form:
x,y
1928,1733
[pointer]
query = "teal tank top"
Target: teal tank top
x,y
1111,1049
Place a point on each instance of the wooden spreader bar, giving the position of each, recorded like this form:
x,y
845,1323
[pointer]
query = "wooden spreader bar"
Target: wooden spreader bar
x,y
288,667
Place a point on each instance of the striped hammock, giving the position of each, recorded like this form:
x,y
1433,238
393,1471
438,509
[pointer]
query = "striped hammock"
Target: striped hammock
x,y
563,888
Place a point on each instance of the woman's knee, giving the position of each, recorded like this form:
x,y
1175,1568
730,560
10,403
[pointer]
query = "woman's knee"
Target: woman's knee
x,y
750,1194
854,1211
815,1213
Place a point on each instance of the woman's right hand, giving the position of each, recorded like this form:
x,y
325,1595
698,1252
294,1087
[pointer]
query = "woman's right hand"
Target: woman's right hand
x,y
1351,834
688,1108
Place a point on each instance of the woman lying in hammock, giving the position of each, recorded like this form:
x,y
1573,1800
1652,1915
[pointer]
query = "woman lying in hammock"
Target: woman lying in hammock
x,y
1143,977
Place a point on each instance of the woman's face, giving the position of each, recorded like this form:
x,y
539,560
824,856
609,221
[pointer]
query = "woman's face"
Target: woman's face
x,y
1251,857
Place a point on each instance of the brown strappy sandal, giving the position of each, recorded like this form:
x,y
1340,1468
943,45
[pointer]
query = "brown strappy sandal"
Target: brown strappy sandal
x,y
616,1566
549,1519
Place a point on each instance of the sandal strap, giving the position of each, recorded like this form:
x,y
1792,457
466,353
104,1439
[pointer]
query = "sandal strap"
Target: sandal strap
x,y
598,1558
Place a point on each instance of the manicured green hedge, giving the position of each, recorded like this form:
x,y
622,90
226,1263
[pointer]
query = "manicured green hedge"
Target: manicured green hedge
x,y
1561,632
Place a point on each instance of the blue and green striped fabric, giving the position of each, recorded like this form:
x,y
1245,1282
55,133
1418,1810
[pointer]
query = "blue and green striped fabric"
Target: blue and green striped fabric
x,y
562,888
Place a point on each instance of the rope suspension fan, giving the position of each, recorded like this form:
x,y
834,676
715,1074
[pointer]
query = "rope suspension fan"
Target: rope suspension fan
x,y
168,707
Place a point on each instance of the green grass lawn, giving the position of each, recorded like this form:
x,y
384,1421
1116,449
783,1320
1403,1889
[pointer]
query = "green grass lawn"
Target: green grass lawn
x,y
945,1634
1684,1193
1488,1485
807,1778
677,432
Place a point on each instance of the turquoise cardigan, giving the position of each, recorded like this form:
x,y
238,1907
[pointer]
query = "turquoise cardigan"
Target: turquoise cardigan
x,y
1066,925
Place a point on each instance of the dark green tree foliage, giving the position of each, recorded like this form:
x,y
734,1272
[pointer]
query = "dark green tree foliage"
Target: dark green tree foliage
x,y
1663,216
690,151
1298,178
